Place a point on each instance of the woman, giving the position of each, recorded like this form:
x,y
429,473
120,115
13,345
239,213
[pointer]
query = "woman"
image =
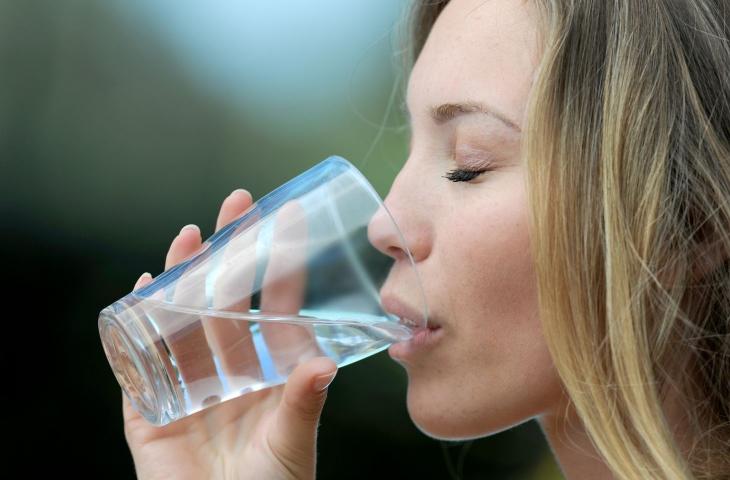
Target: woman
x,y
574,255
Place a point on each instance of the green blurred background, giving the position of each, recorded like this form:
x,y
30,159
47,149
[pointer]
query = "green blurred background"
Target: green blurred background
x,y
123,120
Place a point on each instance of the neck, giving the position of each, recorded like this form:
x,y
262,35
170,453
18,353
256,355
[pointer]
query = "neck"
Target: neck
x,y
572,447
574,450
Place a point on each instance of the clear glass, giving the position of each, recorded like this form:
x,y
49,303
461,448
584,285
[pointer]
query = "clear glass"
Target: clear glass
x,y
296,276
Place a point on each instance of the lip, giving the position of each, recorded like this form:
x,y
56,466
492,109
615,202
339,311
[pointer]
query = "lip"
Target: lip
x,y
422,340
423,336
392,304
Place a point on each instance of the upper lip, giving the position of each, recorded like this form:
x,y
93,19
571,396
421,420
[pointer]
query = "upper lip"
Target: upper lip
x,y
394,305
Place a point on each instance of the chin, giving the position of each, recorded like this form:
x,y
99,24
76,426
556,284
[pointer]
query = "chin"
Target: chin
x,y
439,423
454,422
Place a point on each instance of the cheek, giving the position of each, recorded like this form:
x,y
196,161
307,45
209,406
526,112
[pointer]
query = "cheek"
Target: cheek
x,y
494,292
494,370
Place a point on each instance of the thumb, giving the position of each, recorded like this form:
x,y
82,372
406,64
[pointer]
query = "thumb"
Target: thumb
x,y
295,428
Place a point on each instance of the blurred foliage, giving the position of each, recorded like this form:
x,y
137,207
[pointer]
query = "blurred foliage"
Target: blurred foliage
x,y
107,148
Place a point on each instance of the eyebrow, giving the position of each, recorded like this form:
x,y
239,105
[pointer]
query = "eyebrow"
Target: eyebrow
x,y
446,112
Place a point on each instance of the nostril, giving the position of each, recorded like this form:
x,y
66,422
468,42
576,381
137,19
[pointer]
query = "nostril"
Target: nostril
x,y
396,253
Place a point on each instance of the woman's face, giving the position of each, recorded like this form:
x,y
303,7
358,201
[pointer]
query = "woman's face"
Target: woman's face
x,y
489,368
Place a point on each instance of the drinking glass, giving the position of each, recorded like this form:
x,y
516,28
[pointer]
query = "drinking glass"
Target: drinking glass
x,y
296,276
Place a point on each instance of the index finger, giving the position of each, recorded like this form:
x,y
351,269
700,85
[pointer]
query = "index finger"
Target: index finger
x,y
284,287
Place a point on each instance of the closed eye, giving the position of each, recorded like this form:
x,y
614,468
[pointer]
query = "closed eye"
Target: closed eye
x,y
464,175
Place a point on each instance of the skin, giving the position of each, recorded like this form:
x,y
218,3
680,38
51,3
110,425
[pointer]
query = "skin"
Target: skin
x,y
491,370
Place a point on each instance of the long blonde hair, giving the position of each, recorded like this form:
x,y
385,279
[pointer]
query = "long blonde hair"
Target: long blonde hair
x,y
627,152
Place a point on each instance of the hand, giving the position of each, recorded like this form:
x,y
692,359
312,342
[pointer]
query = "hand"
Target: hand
x,y
268,434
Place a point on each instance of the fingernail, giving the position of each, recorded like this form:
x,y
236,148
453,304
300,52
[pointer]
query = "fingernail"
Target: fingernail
x,y
142,277
241,190
323,381
191,226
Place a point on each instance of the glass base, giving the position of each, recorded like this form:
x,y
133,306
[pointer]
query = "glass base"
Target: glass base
x,y
138,371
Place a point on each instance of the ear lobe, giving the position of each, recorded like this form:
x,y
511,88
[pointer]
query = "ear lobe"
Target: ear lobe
x,y
708,257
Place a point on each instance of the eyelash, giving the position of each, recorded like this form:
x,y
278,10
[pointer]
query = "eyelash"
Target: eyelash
x,y
464,175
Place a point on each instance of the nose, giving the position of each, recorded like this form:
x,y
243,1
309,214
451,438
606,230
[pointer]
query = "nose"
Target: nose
x,y
386,237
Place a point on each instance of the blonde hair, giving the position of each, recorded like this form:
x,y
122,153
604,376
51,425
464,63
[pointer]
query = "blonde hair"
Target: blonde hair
x,y
627,151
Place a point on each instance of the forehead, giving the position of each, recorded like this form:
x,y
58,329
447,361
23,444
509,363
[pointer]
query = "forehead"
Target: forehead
x,y
478,50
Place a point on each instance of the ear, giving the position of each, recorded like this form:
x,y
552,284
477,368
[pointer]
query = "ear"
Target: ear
x,y
708,257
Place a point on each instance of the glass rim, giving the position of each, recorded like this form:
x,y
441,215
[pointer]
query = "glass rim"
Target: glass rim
x,y
364,182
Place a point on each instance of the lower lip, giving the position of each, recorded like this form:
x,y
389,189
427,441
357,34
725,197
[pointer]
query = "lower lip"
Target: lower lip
x,y
421,341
